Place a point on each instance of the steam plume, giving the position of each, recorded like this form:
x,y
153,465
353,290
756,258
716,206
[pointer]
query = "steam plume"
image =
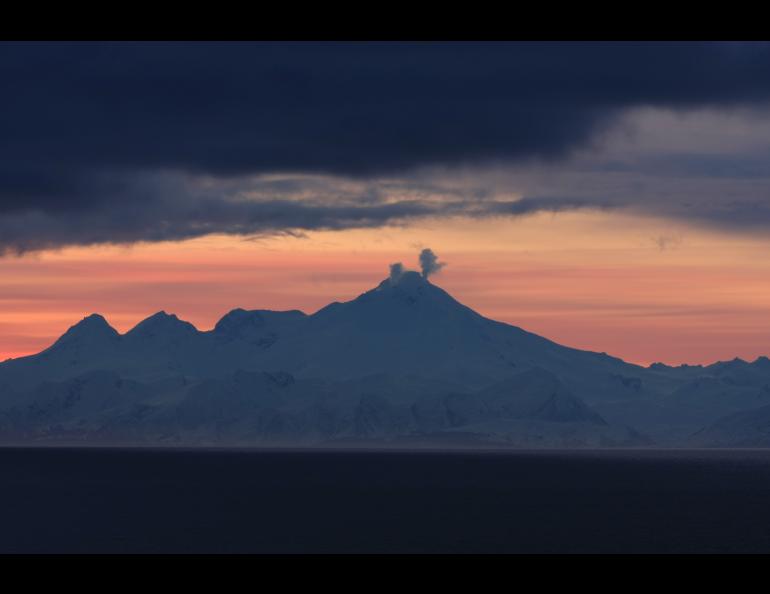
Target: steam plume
x,y
429,262
396,270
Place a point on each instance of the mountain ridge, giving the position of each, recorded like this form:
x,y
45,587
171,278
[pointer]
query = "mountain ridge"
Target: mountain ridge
x,y
401,360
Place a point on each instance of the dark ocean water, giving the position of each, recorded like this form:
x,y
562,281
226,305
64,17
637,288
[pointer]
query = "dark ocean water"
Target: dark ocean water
x,y
110,500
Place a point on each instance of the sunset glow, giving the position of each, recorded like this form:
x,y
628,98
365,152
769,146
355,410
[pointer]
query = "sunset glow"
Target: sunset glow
x,y
595,281
623,210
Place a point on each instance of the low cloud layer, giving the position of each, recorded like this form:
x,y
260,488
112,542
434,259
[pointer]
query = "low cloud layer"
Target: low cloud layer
x,y
173,208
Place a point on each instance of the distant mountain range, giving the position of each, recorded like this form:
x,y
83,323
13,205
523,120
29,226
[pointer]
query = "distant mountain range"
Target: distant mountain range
x,y
404,363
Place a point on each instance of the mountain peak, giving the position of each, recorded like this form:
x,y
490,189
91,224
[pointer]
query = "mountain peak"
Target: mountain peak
x,y
407,282
259,326
412,288
94,319
161,323
92,327
406,279
407,300
238,321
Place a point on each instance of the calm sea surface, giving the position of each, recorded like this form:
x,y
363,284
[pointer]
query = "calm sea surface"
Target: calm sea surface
x,y
108,500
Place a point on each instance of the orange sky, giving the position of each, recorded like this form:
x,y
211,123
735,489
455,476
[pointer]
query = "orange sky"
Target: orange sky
x,y
636,288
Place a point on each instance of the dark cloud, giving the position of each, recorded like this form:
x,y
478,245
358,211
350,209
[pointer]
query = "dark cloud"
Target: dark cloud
x,y
170,213
68,110
740,166
82,124
526,206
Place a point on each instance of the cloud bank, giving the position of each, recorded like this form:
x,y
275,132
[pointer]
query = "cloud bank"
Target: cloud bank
x,y
172,210
92,132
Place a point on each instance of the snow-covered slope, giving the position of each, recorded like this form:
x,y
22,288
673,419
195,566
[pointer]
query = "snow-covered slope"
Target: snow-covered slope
x,y
531,408
746,429
414,327
696,397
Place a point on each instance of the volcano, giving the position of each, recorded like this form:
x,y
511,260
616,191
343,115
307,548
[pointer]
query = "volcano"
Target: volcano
x,y
404,360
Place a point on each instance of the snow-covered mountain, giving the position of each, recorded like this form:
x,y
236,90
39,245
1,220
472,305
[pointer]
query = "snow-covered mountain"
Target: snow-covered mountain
x,y
745,429
405,327
403,361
